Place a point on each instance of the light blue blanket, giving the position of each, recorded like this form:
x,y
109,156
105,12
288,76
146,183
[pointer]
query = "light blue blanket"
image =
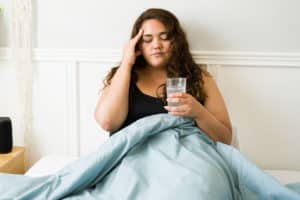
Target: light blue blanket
x,y
160,157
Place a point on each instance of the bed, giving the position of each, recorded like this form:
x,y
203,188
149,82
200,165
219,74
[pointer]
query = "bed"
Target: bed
x,y
52,163
153,158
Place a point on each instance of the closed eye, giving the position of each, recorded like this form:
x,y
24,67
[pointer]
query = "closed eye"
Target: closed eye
x,y
147,38
164,36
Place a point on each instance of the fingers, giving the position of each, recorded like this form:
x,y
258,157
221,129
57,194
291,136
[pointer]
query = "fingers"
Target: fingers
x,y
184,104
129,52
136,38
180,100
176,110
176,100
178,97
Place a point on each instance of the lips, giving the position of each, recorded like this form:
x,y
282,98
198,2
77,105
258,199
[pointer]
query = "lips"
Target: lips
x,y
158,54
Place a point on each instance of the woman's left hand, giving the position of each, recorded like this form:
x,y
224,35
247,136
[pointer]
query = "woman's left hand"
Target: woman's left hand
x,y
188,105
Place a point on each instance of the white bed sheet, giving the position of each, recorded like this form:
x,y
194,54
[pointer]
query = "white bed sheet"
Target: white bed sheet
x,y
49,165
52,163
285,176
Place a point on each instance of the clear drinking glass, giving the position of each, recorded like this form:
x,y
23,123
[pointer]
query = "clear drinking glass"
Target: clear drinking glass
x,y
177,84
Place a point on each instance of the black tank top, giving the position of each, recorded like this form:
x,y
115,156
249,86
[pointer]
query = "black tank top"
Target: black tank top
x,y
141,105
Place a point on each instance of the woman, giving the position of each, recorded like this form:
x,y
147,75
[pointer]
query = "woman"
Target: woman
x,y
159,49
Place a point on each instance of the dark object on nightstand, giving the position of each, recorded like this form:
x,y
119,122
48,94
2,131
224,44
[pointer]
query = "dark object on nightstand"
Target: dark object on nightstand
x,y
6,140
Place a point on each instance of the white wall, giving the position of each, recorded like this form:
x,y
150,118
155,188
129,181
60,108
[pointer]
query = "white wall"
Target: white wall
x,y
263,102
9,104
231,25
4,23
78,41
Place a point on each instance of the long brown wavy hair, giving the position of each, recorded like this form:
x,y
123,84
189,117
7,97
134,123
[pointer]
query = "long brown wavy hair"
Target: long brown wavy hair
x,y
180,64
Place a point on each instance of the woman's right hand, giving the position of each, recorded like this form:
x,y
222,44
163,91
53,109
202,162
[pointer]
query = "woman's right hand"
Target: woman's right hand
x,y
130,53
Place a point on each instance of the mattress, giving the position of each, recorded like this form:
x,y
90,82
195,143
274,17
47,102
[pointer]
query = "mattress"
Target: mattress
x,y
52,163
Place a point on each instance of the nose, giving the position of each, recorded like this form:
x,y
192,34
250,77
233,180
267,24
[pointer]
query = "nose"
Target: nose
x,y
156,42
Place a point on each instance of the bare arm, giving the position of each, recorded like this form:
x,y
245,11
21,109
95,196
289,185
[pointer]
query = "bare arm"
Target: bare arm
x,y
112,106
212,117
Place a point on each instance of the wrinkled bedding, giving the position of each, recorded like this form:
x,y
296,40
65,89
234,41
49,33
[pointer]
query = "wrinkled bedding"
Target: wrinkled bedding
x,y
157,157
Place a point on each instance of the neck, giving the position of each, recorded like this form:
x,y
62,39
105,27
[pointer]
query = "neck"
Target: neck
x,y
156,75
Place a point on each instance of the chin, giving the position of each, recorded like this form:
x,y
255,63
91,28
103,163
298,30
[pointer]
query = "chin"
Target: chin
x,y
157,64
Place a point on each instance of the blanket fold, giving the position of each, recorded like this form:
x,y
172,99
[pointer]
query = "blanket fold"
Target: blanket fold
x,y
157,157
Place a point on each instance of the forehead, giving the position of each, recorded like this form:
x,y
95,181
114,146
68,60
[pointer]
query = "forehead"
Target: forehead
x,y
152,26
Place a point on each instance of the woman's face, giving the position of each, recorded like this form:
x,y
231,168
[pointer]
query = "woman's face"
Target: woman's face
x,y
155,44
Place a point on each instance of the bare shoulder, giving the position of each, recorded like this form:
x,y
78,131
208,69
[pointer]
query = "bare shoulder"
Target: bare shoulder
x,y
208,79
215,103
210,86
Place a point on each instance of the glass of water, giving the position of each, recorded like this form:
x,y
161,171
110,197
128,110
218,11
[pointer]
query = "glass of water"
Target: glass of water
x,y
177,84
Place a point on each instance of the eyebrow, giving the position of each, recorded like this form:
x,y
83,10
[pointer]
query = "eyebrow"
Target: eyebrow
x,y
161,33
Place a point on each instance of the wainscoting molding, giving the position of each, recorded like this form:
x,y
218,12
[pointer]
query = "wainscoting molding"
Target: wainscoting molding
x,y
72,136
203,57
215,60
